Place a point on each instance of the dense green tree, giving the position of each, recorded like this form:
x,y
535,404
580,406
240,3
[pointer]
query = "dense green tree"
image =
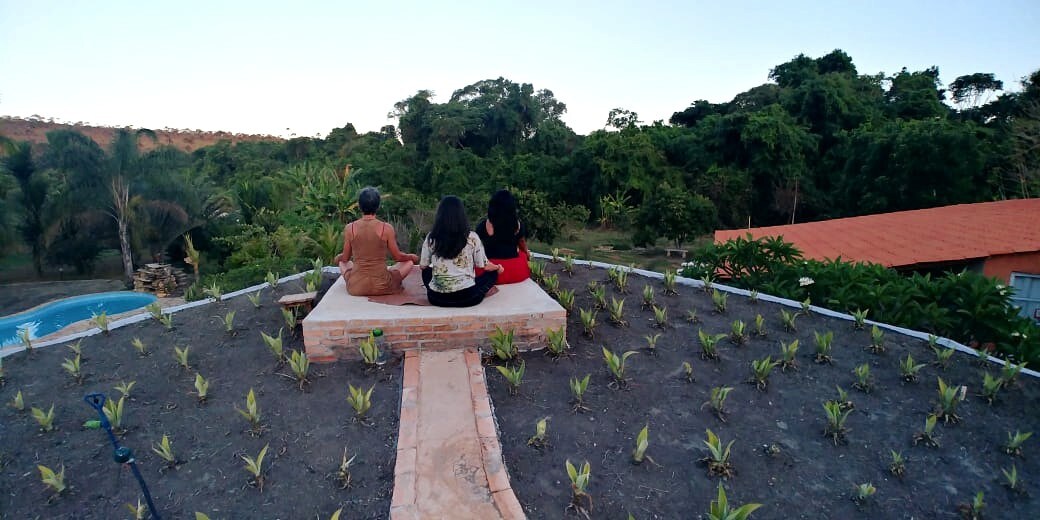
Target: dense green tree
x,y
675,214
916,95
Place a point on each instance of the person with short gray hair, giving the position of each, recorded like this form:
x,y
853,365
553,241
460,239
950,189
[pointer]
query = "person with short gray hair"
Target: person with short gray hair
x,y
366,243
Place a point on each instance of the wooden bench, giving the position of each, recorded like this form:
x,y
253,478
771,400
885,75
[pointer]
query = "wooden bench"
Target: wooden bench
x,y
303,301
680,252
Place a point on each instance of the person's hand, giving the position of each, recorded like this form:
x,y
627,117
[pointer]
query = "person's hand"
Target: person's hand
x,y
414,258
494,267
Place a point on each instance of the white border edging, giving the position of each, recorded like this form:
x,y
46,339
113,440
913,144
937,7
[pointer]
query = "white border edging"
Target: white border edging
x,y
137,318
946,342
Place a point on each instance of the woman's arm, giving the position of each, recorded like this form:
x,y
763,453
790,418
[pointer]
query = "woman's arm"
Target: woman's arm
x,y
391,242
346,254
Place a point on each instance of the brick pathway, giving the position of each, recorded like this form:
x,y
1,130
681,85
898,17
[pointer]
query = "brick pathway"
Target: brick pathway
x,y
449,462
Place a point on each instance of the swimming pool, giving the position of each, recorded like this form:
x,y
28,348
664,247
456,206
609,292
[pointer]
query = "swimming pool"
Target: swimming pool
x,y
56,315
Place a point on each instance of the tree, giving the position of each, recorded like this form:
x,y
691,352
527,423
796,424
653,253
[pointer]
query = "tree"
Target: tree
x,y
916,95
970,91
675,214
123,171
620,119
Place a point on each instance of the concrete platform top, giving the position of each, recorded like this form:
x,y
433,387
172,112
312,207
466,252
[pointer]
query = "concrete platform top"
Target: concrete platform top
x,y
335,327
520,298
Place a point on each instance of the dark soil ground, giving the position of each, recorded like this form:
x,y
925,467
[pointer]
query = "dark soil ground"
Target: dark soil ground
x,y
810,477
307,431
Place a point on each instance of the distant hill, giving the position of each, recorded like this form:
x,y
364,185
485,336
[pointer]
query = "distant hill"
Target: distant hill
x,y
35,130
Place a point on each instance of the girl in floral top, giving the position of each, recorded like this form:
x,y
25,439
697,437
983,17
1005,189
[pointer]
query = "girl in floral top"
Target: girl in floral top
x,y
449,255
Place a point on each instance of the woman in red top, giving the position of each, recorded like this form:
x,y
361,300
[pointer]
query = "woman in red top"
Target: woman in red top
x,y
366,243
504,238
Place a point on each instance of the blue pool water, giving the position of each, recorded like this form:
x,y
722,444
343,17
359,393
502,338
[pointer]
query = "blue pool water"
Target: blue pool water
x,y
56,315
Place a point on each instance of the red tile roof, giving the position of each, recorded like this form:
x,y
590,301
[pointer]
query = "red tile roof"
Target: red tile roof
x,y
904,238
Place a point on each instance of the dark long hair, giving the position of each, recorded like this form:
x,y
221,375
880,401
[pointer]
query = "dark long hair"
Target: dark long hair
x,y
450,228
502,213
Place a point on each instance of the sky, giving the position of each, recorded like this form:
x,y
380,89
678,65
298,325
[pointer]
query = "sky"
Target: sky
x,y
306,67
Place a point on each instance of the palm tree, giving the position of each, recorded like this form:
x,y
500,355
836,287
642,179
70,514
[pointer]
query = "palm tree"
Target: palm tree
x,y
123,168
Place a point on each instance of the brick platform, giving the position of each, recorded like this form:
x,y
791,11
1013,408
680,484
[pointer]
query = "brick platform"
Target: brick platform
x,y
332,330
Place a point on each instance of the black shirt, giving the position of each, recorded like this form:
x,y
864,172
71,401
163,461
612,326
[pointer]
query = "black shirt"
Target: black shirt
x,y
500,245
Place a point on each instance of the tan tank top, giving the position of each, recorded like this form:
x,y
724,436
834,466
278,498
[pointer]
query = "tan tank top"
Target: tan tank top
x,y
368,249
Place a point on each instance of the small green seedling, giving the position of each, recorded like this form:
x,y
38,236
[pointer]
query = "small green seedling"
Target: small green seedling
x,y
52,480
760,326
877,340
140,347
274,344
752,296
581,501
252,413
990,387
557,341
73,367
863,493
566,299
859,319
165,451
503,345
973,510
836,418
670,282
140,511
660,317
124,388
568,265
271,279
45,420
717,401
691,316
806,307
101,321
514,375
343,473
182,357
718,299
255,467
720,510
864,381
738,333
617,312
648,297
616,365
229,322
949,397
599,296
760,370
908,369
26,337
539,439
687,371
709,344
1011,479
718,456
17,402
788,319
942,356
113,410
300,364
897,466
167,321
578,388
290,320
927,437
214,291
1014,443
787,355
651,342
201,388
824,343
843,399
360,400
642,443
254,298
155,310
588,321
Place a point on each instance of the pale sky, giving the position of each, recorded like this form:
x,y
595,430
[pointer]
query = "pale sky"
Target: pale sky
x,y
311,66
